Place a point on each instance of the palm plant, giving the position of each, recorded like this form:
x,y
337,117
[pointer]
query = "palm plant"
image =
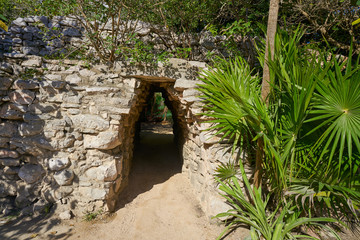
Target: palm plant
x,y
281,223
310,128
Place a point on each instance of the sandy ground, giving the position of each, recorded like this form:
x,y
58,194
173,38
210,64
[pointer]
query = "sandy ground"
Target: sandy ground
x,y
158,203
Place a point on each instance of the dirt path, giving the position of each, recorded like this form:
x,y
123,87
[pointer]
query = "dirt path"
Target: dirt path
x,y
158,203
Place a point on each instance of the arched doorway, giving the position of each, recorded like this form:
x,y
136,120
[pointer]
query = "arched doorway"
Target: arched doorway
x,y
152,151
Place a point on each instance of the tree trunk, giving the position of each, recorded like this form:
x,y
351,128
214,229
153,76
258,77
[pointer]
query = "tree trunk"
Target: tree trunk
x,y
270,45
265,88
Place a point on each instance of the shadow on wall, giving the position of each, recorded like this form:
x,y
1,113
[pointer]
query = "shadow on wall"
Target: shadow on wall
x,y
33,176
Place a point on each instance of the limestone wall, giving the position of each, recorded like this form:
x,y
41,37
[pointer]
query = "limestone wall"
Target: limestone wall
x,y
67,130
43,36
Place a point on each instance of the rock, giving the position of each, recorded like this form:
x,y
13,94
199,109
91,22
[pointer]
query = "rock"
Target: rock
x,y
104,140
106,172
4,153
87,123
30,173
11,170
14,55
30,129
86,73
11,111
93,193
190,92
63,191
34,62
5,83
6,67
7,188
22,96
30,50
20,22
53,77
11,162
182,84
72,32
8,129
23,193
73,79
57,164
66,215
58,84
25,84
64,177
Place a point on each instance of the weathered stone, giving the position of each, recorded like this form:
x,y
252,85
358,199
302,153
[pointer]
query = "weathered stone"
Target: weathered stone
x,y
11,170
34,62
11,162
30,173
58,84
53,77
57,164
6,67
73,79
93,193
106,172
14,55
30,129
4,142
63,191
93,90
87,123
5,153
86,73
11,111
22,96
190,93
64,177
25,84
7,188
104,140
7,129
5,83
72,32
23,193
182,84
30,50
19,22
66,215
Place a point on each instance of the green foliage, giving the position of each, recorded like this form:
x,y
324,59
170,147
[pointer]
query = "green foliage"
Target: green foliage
x,y
90,216
279,223
310,127
225,171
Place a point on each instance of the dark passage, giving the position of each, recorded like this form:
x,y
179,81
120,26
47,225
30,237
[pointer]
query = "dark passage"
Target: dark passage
x,y
156,155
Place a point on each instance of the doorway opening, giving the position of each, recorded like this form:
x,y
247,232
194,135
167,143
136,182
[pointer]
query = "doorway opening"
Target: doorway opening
x,y
157,145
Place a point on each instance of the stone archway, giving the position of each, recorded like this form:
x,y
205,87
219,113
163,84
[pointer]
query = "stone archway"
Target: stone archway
x,y
82,149
146,86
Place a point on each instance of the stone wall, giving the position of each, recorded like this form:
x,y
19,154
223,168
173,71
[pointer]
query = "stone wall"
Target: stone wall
x,y
67,130
45,36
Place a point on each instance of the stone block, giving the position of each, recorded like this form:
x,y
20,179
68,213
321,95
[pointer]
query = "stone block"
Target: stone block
x,y
104,140
31,173
57,164
73,79
22,96
30,129
25,84
182,84
34,62
87,123
5,153
5,83
64,177
8,129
